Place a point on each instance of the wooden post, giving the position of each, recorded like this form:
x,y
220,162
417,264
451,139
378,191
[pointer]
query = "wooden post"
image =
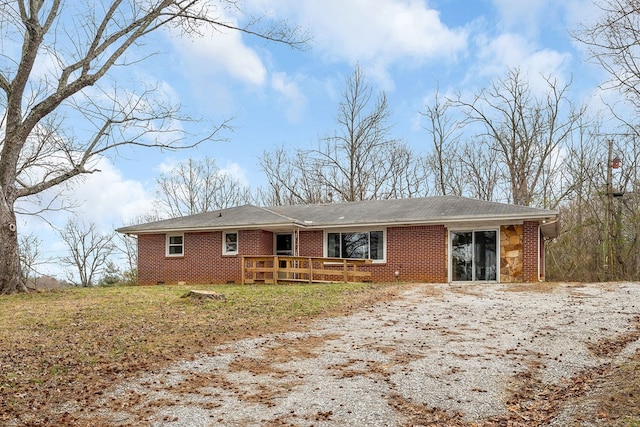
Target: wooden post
x,y
243,270
276,265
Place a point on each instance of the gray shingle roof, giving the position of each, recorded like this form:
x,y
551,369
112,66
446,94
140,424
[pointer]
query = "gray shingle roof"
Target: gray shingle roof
x,y
426,210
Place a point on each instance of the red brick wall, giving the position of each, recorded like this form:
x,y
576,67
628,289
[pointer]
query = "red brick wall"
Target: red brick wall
x,y
418,253
202,262
530,251
311,243
256,242
151,259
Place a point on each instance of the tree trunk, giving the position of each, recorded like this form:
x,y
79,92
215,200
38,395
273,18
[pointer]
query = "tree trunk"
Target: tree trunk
x,y
10,277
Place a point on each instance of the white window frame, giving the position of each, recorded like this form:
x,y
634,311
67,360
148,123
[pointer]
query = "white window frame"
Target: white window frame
x,y
472,230
325,244
224,242
168,244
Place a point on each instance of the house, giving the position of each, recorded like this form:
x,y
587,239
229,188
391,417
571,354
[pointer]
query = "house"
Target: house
x,y
432,239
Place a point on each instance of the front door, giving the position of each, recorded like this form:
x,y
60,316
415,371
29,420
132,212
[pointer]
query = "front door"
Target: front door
x,y
284,247
474,256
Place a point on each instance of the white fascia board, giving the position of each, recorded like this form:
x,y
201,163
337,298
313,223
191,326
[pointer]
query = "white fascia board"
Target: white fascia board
x,y
491,221
507,219
277,226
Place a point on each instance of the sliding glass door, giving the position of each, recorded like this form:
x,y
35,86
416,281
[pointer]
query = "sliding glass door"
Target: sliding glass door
x,y
474,255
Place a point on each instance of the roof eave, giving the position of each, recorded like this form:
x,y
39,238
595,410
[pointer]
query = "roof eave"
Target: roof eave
x,y
549,216
128,230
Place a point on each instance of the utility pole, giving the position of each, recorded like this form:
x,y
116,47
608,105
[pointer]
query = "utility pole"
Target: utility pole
x,y
609,266
606,244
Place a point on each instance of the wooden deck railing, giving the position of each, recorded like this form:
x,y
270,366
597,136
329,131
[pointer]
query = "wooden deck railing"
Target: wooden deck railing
x,y
274,269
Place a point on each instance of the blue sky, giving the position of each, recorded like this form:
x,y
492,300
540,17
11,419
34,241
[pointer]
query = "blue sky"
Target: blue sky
x,y
277,96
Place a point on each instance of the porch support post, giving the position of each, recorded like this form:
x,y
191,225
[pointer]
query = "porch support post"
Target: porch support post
x,y
276,265
243,270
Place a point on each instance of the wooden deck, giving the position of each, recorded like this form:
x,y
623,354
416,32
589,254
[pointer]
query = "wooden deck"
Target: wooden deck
x,y
274,269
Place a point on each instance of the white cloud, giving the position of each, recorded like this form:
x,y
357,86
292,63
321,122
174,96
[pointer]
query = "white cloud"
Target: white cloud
x,y
230,168
235,171
219,50
108,199
526,16
376,34
391,29
509,51
167,165
291,96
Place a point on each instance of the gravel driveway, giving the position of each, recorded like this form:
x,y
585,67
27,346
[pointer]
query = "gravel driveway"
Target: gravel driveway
x,y
440,354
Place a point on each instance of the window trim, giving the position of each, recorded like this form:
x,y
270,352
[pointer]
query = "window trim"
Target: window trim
x,y
168,245
472,230
225,252
325,241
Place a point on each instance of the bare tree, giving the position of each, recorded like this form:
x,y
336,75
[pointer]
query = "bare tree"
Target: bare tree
x,y
523,129
613,41
478,173
291,179
577,252
89,250
445,157
197,186
30,257
359,162
410,177
53,64
127,246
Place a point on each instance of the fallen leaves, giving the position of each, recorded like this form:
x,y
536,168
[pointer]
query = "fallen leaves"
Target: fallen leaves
x,y
60,350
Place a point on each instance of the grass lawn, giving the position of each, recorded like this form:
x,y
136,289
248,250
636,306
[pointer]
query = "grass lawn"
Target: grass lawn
x,y
70,345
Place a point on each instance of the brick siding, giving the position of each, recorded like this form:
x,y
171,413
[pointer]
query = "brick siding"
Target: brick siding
x,y
530,251
311,243
202,261
417,253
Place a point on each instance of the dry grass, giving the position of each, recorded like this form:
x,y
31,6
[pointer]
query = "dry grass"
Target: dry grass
x,y
618,399
64,346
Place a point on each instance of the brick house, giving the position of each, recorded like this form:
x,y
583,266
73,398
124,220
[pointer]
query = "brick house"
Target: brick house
x,y
432,239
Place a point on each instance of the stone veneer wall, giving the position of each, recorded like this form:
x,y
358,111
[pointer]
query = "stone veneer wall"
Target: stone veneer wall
x,y
511,253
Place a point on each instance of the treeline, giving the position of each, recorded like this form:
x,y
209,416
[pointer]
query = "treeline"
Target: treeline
x,y
508,143
513,141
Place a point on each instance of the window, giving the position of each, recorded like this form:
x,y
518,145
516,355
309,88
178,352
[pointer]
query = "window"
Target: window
x,y
175,245
361,245
230,243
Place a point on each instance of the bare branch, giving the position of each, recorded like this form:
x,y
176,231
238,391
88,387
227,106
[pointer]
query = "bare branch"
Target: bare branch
x,y
84,43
